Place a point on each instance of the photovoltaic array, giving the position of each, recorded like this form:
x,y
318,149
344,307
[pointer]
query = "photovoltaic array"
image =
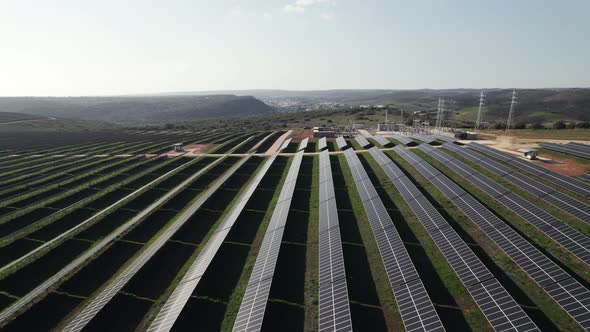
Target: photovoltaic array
x,y
566,236
415,306
565,290
79,261
101,300
500,309
574,150
423,138
251,312
362,141
285,144
382,140
322,144
334,308
341,142
560,180
167,316
303,144
558,199
444,138
402,139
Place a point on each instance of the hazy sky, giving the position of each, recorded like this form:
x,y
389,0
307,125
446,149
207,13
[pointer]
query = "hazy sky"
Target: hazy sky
x,y
83,47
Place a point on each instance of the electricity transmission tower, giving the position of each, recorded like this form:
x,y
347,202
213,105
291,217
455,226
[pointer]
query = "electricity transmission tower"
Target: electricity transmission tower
x,y
478,121
442,114
511,113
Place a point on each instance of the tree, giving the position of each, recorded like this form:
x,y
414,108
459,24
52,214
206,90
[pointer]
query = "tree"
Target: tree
x,y
498,125
584,125
537,125
559,125
520,125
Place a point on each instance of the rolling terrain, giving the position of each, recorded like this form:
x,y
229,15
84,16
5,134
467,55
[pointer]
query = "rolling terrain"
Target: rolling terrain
x,y
111,230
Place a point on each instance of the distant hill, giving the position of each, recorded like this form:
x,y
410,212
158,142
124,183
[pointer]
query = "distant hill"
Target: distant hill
x,y
21,122
137,110
534,105
9,117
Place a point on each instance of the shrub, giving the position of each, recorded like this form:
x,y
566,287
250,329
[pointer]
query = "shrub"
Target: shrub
x,y
520,125
559,125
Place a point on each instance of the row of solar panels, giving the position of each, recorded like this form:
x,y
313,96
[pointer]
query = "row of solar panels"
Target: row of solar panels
x,y
79,261
578,150
99,302
381,140
253,306
303,144
334,308
564,235
560,180
114,287
168,314
500,309
565,290
423,138
558,199
415,306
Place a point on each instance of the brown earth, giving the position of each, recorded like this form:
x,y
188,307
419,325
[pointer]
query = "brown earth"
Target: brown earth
x,y
197,148
305,133
564,166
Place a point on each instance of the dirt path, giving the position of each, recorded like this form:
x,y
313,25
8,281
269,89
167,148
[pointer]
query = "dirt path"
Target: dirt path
x,y
277,144
365,133
564,166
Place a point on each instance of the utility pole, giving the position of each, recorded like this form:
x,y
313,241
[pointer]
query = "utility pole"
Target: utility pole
x,y
478,121
402,123
436,124
442,114
511,113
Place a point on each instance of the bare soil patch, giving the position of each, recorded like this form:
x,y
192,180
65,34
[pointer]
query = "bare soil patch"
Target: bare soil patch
x,y
305,133
562,165
197,148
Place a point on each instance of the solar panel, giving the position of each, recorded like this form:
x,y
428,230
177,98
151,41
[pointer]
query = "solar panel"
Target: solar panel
x,y
362,141
322,144
382,140
341,142
253,306
168,314
303,144
87,255
579,146
563,181
558,284
402,139
564,235
414,304
564,202
423,138
471,271
285,144
334,308
255,147
566,149
585,177
445,138
101,300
